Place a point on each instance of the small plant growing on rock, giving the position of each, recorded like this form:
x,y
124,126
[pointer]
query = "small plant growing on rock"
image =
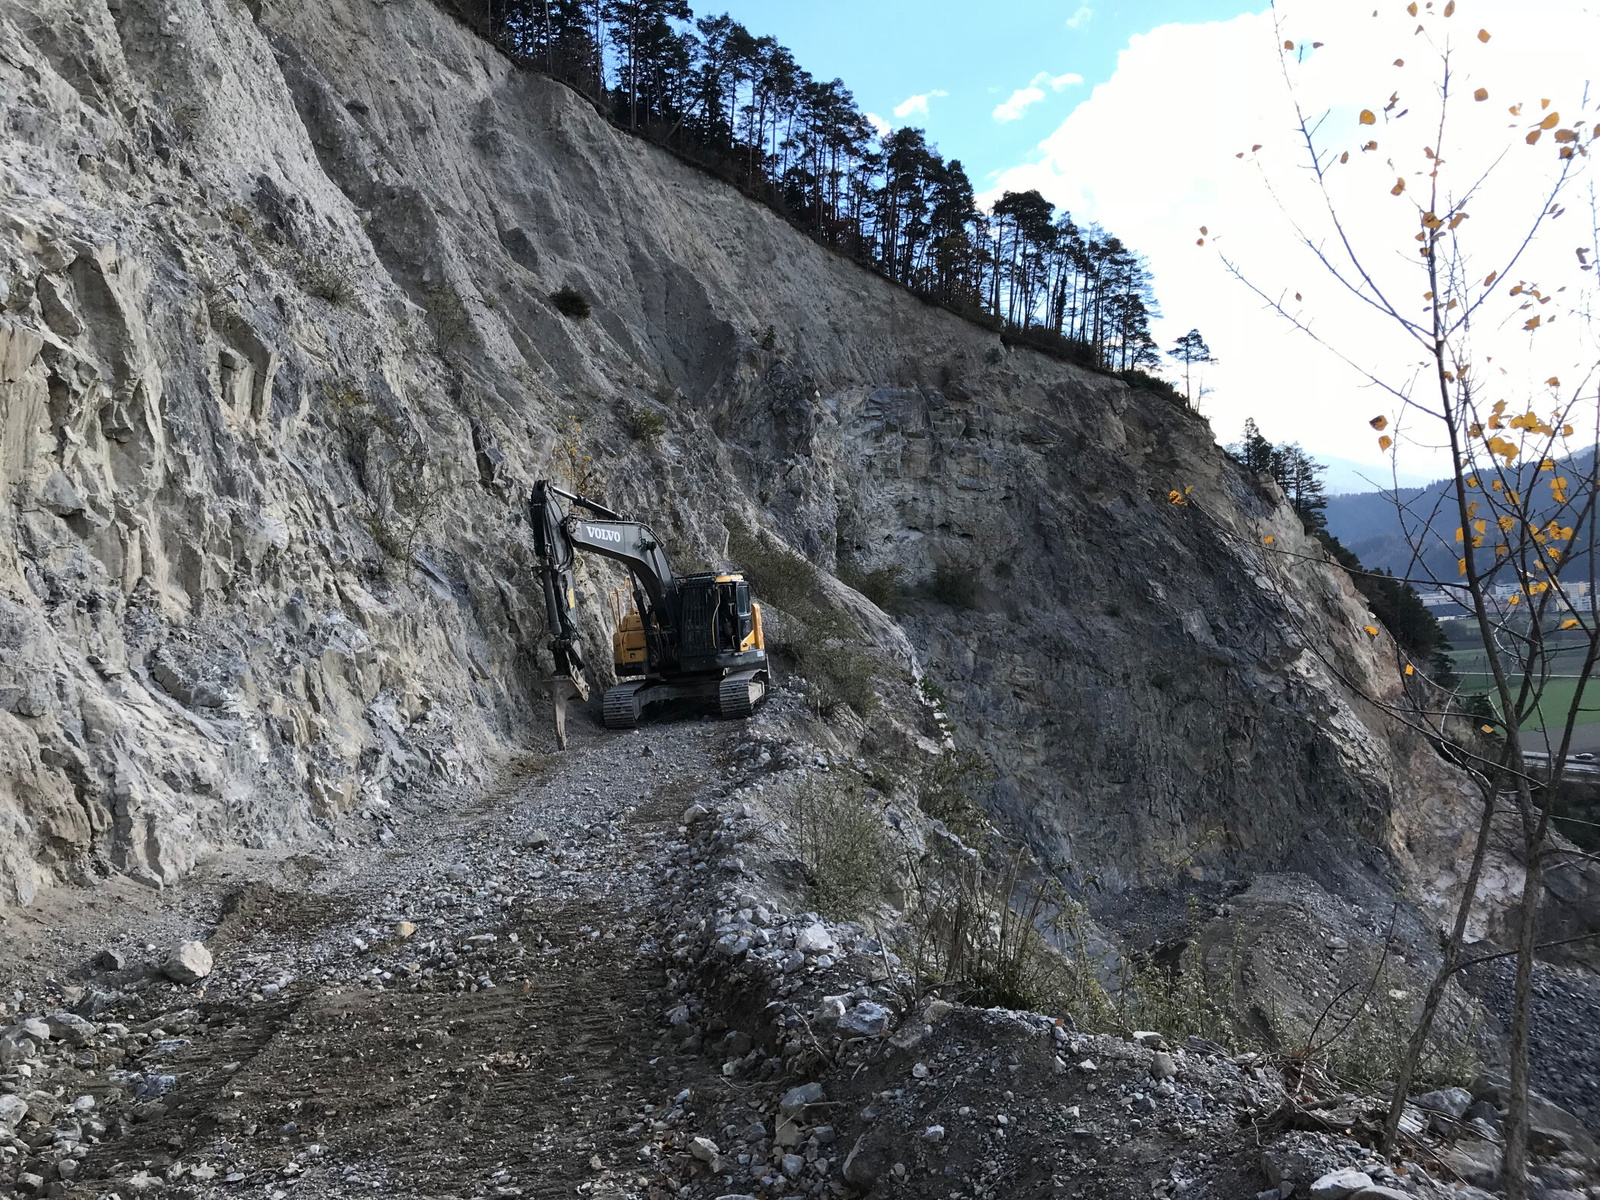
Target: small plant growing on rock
x,y
570,302
843,843
645,425
332,282
574,463
784,578
883,586
839,675
954,587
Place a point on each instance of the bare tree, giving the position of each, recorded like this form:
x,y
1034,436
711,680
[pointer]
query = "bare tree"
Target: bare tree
x,y
1522,481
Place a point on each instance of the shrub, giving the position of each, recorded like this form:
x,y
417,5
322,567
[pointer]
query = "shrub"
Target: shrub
x,y
574,464
882,587
1154,383
1049,342
840,675
955,587
1360,1038
645,425
330,281
945,791
570,302
775,573
842,841
980,933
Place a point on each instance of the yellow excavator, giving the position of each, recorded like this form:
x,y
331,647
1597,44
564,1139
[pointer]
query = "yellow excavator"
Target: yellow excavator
x,y
678,637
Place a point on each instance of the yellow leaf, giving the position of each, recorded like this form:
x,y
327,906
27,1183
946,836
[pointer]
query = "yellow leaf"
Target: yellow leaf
x,y
1450,9
1399,186
1516,600
1532,138
1483,35
1379,423
1481,94
1502,549
1533,322
1204,230
1288,45
1487,728
1570,623
1479,526
1553,381
1461,566
1345,157
1472,481
1548,464
1506,523
1410,669
1372,630
1551,121
1411,8
1566,431
1493,275
1458,533
1385,442
1268,540
1368,117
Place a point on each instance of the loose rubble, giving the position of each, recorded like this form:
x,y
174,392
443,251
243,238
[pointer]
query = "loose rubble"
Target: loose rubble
x,y
599,977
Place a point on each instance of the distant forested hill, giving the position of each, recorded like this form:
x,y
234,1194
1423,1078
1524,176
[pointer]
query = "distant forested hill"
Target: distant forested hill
x,y
1371,525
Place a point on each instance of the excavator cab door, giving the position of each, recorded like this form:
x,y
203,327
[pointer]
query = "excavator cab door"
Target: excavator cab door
x,y
742,612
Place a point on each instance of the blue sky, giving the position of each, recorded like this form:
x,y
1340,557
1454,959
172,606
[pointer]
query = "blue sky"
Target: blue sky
x,y
980,55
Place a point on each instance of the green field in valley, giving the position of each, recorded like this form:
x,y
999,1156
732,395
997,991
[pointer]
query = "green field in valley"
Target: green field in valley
x,y
1471,665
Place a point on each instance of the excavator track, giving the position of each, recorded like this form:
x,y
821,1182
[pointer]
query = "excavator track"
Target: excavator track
x,y
621,706
741,693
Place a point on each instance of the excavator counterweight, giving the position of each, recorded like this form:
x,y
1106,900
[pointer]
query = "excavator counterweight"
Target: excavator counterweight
x,y
679,638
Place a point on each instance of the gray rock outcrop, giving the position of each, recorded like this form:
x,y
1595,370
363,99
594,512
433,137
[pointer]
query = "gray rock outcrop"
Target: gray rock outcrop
x,y
278,362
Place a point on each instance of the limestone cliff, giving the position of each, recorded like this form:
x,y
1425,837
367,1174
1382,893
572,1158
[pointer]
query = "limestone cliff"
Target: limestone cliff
x,y
278,361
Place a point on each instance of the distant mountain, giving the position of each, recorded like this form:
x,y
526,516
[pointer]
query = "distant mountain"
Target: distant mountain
x,y
1346,476
1371,526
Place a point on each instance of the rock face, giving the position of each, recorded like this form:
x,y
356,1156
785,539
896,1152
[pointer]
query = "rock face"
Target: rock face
x,y
278,364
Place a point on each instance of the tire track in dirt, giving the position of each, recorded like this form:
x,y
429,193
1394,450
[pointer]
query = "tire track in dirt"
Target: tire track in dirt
x,y
533,1087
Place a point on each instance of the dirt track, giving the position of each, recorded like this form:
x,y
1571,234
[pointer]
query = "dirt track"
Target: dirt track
x,y
519,1062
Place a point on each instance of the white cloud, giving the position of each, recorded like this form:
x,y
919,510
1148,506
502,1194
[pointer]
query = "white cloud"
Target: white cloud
x,y
1024,98
882,127
1078,18
917,104
1151,155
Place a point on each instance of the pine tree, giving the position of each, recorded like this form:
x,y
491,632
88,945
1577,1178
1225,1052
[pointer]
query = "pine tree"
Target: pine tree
x,y
1253,450
1191,350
